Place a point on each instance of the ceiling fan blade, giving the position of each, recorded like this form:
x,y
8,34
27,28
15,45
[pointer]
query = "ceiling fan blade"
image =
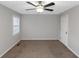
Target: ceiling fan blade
x,y
49,9
50,4
40,2
30,9
31,4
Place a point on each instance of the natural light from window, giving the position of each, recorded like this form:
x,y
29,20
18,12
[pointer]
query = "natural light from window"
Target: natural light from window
x,y
16,25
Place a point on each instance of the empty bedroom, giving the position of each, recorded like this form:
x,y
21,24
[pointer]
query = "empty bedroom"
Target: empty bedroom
x,y
39,29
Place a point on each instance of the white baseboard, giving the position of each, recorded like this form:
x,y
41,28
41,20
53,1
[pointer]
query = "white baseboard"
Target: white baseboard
x,y
9,48
73,51
39,39
70,49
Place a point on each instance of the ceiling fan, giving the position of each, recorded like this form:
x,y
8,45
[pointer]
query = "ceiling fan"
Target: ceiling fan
x,y
40,7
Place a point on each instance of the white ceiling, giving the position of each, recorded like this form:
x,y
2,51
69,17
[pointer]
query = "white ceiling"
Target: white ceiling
x,y
20,6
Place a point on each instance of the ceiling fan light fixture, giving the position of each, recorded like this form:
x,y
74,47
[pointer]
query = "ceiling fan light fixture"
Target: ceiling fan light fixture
x,y
40,9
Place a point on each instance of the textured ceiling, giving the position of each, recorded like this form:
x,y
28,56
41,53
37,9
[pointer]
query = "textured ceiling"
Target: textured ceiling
x,y
20,6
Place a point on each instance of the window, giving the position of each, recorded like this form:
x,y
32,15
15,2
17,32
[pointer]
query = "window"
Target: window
x,y
16,25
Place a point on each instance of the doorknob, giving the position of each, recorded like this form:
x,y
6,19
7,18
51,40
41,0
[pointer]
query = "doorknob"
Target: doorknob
x,y
66,32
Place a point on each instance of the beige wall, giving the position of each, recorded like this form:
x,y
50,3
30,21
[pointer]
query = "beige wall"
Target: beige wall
x,y
40,27
7,40
73,38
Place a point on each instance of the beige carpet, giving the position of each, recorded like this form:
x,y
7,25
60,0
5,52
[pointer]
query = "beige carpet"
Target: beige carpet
x,y
39,49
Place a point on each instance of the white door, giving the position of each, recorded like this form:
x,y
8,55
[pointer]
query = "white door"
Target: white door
x,y
64,29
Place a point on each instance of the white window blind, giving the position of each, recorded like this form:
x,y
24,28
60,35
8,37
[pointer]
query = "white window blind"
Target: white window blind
x,y
16,25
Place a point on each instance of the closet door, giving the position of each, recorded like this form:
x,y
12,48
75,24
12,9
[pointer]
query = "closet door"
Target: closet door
x,y
64,29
